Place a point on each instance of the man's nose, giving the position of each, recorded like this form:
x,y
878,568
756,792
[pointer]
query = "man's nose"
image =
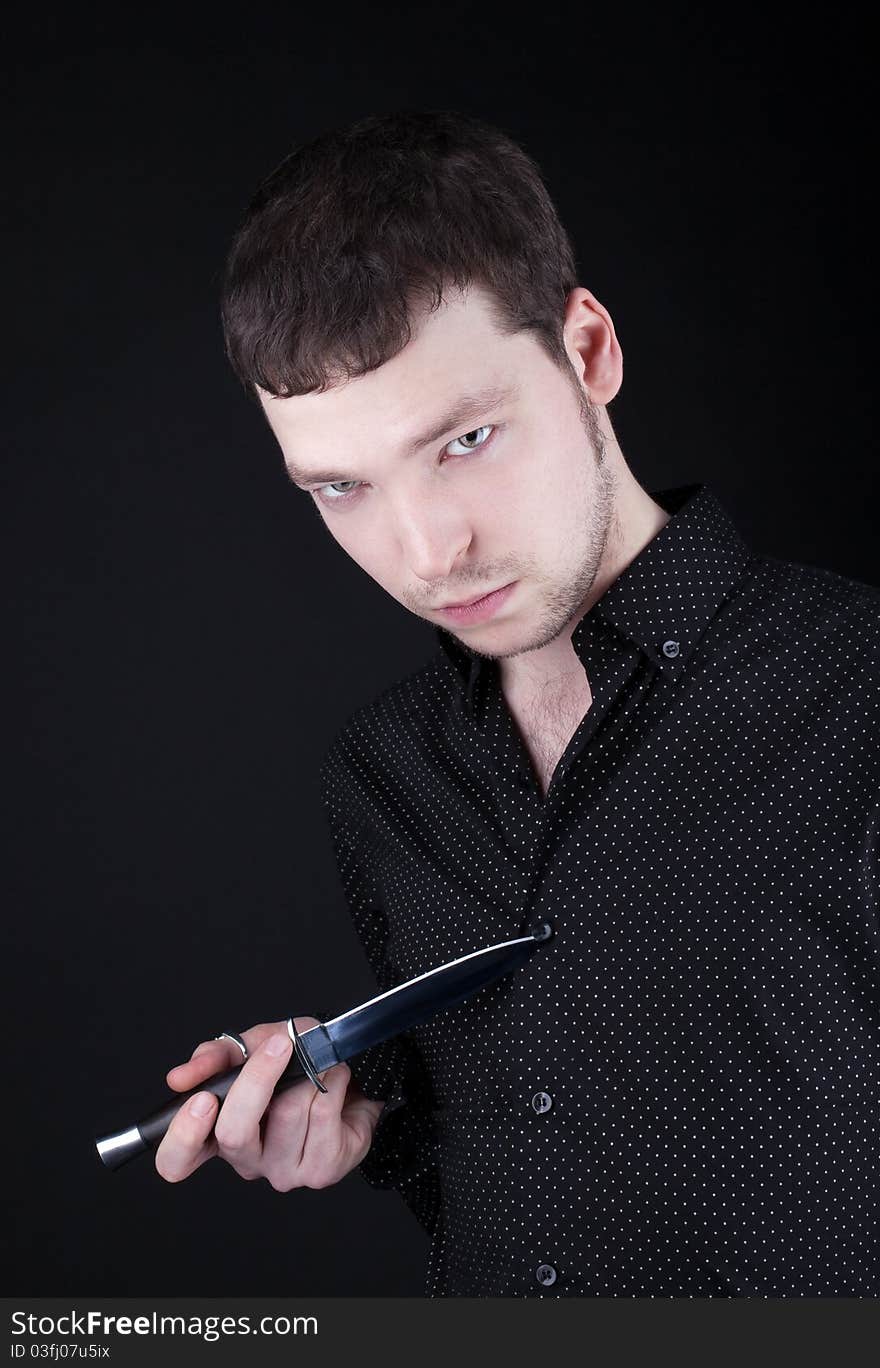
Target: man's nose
x,y
433,534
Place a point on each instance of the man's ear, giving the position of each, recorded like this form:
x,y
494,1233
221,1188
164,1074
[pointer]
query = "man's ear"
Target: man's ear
x,y
592,345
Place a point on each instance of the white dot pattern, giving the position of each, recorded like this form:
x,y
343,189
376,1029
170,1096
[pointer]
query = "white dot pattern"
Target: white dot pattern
x,y
704,1023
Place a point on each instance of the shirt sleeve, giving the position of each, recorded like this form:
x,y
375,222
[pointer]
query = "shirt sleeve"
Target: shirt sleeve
x,y
403,1152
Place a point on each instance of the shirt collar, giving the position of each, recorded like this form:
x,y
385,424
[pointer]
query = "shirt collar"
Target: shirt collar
x,y
666,597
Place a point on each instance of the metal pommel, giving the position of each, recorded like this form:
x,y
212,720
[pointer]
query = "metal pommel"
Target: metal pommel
x,y
116,1150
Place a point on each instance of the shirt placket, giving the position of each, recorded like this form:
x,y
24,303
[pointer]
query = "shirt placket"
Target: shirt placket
x,y
533,824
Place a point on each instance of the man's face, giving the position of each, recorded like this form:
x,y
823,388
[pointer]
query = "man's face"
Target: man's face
x,y
467,462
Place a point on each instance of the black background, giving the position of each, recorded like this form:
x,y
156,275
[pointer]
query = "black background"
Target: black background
x,y
184,638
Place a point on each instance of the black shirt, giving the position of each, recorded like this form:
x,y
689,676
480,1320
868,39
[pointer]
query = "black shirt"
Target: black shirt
x,y
679,1094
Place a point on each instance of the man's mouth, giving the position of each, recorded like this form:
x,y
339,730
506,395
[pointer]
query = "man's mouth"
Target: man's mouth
x,y
466,603
478,609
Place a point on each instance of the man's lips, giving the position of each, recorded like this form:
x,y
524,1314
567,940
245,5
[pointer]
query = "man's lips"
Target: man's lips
x,y
480,609
466,603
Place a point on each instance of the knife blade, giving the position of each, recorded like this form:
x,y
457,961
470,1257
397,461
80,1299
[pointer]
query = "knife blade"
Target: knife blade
x,y
344,1036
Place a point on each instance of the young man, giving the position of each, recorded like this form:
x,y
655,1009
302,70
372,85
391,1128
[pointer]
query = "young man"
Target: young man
x,y
642,732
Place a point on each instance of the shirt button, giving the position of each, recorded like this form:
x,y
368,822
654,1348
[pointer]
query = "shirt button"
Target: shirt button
x,y
542,931
671,649
546,1274
542,1102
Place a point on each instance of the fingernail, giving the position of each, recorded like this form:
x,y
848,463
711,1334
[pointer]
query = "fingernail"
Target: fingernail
x,y
201,1104
276,1044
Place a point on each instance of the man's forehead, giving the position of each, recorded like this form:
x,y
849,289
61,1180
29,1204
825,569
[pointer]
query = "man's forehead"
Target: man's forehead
x,y
408,405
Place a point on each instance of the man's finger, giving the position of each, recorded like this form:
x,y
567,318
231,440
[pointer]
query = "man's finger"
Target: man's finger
x,y
188,1142
215,1056
238,1127
328,1137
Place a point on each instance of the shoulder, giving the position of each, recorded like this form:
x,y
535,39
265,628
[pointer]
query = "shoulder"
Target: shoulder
x,y
817,608
374,731
816,587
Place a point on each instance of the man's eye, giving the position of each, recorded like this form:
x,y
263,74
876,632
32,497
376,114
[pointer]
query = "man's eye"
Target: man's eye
x,y
466,438
338,489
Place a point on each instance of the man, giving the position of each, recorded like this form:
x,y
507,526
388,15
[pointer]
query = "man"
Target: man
x,y
643,733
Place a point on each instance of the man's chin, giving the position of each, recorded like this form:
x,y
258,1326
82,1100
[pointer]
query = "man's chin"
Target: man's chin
x,y
500,644
520,642
476,642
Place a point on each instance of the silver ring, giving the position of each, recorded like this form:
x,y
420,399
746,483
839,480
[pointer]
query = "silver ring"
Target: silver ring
x,y
236,1039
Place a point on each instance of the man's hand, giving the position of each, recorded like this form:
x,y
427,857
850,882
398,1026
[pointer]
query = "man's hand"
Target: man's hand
x,y
301,1138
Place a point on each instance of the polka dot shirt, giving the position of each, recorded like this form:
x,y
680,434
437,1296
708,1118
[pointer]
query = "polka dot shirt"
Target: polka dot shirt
x,y
679,1094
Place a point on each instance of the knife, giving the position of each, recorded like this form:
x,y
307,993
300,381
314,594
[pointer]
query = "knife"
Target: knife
x,y
332,1042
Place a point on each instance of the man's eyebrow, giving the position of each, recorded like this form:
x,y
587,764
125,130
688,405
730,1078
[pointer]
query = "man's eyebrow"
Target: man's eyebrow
x,y
465,407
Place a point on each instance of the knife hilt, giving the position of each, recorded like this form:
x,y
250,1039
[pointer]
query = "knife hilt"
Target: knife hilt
x,y
119,1147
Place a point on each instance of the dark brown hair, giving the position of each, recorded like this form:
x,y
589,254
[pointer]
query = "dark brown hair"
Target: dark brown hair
x,y
356,229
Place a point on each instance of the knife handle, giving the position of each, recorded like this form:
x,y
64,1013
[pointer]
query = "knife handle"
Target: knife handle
x,y
119,1147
